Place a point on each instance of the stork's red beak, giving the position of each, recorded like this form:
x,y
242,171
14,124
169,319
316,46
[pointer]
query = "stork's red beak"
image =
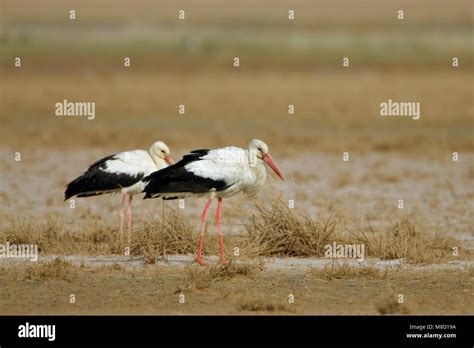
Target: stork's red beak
x,y
169,159
268,160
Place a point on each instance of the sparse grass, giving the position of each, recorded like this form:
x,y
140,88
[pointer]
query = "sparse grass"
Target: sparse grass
x,y
157,237
234,269
391,306
274,230
59,269
196,278
406,240
44,234
260,303
277,230
107,269
53,237
345,271
199,278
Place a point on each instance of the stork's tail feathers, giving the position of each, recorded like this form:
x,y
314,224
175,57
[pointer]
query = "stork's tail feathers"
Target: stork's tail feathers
x,y
87,185
75,187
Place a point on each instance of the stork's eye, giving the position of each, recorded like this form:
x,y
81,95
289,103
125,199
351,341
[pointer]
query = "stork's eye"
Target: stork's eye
x,y
162,151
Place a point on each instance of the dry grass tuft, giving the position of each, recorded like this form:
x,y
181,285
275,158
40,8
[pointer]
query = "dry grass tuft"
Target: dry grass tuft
x,y
345,271
107,269
391,306
232,270
18,231
276,230
59,269
407,241
200,278
197,278
53,237
260,303
157,237
273,230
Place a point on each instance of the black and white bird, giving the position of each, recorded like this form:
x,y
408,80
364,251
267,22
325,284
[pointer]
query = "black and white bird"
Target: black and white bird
x,y
122,172
214,173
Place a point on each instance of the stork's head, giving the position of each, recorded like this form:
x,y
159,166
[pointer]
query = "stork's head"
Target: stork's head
x,y
259,149
159,150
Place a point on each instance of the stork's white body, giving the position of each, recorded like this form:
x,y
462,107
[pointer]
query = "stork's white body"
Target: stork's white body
x,y
234,166
215,173
122,172
136,163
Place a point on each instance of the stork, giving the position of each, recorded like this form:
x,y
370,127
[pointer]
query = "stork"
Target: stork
x,y
214,173
122,172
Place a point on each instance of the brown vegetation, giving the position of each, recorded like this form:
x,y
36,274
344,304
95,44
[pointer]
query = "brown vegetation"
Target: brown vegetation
x,y
201,278
345,271
59,269
171,234
261,303
408,241
390,305
277,230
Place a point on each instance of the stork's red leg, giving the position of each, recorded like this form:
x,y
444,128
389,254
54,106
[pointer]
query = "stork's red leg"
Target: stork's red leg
x,y
129,218
122,208
199,258
219,231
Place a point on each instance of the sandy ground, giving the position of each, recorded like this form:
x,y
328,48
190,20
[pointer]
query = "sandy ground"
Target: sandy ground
x,y
100,285
269,264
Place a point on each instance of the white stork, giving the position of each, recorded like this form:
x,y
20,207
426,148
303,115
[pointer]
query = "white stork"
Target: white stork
x,y
122,172
214,173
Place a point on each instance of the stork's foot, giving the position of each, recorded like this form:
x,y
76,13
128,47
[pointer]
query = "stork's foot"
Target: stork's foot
x,y
200,260
223,261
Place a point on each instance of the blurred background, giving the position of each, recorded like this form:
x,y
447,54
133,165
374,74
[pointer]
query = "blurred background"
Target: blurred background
x,y
282,62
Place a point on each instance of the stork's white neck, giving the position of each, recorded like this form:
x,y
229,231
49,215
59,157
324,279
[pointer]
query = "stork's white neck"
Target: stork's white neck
x,y
259,173
159,162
